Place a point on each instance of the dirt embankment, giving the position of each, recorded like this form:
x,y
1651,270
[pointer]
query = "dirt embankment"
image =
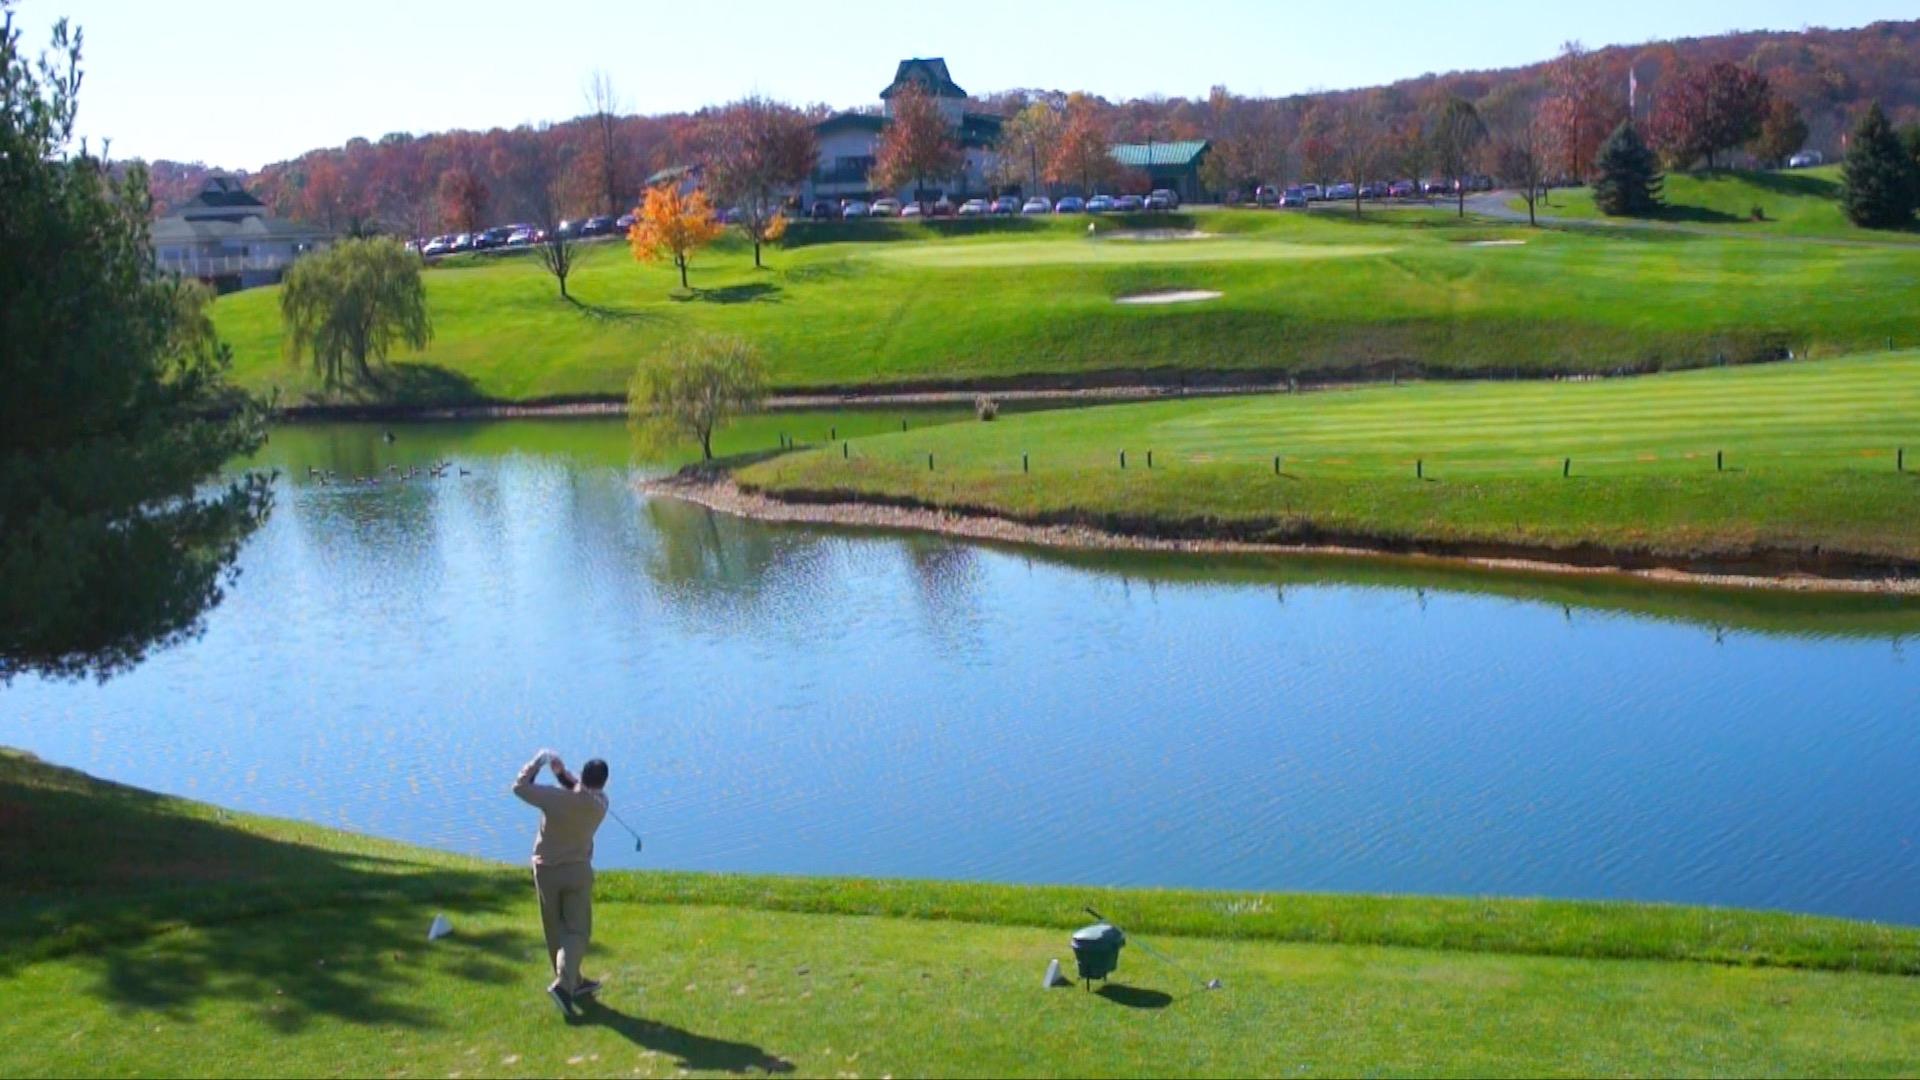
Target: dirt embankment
x,y
1769,568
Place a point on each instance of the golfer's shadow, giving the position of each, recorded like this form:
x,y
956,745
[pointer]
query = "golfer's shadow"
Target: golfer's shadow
x,y
697,1053
1134,997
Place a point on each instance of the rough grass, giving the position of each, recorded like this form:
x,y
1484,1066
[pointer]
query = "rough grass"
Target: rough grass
x,y
265,947
897,304
1810,452
1797,203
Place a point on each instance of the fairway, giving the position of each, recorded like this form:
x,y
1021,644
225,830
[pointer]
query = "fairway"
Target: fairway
x,y
1795,457
1795,203
891,304
1117,251
222,944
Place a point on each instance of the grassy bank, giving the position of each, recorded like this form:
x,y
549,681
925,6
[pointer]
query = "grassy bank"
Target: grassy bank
x,y
1796,203
890,304
1794,463
148,934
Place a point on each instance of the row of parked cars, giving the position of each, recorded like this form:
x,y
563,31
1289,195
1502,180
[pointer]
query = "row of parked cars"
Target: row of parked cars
x,y
1301,194
1004,206
522,235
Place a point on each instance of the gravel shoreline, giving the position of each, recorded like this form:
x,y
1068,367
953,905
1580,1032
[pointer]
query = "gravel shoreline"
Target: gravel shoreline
x,y
723,495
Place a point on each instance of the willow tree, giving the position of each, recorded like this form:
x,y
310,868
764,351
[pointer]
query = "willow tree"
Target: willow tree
x,y
117,532
692,387
348,306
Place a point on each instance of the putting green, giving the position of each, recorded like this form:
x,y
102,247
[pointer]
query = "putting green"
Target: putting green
x,y
1110,252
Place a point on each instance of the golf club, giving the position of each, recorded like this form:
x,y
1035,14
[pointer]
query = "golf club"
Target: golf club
x,y
1205,984
629,828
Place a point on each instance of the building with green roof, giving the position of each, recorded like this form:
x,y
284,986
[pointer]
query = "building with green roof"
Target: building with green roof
x,y
1172,165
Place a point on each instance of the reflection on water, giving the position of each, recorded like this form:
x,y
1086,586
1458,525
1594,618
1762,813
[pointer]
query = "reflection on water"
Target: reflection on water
x,y
833,701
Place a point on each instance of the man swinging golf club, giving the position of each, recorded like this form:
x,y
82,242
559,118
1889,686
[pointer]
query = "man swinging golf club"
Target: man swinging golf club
x,y
563,866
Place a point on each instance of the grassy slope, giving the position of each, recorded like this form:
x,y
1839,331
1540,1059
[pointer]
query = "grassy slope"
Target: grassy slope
x,y
723,974
1809,445
887,304
1798,203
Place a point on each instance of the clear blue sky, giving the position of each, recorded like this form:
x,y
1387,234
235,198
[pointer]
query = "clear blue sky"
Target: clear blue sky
x,y
244,83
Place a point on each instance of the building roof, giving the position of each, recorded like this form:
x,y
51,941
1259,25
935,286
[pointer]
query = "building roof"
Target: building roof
x,y
976,129
225,211
253,228
930,73
1148,155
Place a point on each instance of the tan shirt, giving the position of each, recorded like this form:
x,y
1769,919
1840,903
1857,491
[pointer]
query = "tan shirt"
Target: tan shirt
x,y
569,816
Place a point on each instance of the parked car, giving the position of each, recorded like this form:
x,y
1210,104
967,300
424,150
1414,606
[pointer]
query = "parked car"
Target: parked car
x,y
854,208
623,222
1266,195
439,245
1374,189
1005,205
942,207
1293,199
598,225
884,208
1403,189
494,237
1312,192
1099,204
1037,205
823,210
1171,196
1805,159
1341,191
1129,204
1072,204
1436,187
911,209
1158,201
973,208
523,235
461,242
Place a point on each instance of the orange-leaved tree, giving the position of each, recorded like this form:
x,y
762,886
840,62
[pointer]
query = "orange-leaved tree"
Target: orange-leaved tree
x,y
672,225
917,144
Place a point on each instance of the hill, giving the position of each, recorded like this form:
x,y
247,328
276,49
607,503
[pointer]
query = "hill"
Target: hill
x,y
1803,202
717,975
1023,302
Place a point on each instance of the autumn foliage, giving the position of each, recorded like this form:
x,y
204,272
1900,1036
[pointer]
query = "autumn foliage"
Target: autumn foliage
x,y
1705,111
756,151
917,145
672,225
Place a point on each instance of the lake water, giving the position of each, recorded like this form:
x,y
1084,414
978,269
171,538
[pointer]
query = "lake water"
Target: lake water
x,y
812,701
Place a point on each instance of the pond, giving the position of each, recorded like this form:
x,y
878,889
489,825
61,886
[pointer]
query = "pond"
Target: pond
x,y
809,701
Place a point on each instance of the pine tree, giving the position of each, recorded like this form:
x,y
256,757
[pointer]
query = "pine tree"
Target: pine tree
x,y
1879,187
1627,175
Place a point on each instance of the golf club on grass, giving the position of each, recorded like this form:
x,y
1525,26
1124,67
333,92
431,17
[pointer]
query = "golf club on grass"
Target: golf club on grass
x,y
1205,984
629,828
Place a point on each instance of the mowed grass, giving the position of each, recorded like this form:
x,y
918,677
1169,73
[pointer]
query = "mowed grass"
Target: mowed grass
x,y
1797,203
330,972
1810,452
893,304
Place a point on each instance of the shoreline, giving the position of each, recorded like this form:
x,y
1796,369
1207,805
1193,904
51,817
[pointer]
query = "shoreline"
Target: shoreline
x,y
719,492
1096,387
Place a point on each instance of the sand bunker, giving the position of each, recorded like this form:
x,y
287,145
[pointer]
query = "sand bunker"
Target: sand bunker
x,y
1176,296
1156,234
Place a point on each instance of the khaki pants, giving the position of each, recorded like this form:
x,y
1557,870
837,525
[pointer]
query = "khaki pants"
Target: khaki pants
x,y
566,914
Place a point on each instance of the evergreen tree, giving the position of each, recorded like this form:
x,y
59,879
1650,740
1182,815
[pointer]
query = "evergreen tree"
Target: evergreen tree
x,y
116,532
1627,178
1878,192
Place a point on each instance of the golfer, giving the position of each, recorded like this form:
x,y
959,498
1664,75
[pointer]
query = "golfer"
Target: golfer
x,y
563,866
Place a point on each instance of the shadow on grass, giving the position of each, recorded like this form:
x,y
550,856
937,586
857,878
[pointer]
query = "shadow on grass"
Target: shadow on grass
x,y
163,906
1134,997
757,292
1782,183
697,1053
613,314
